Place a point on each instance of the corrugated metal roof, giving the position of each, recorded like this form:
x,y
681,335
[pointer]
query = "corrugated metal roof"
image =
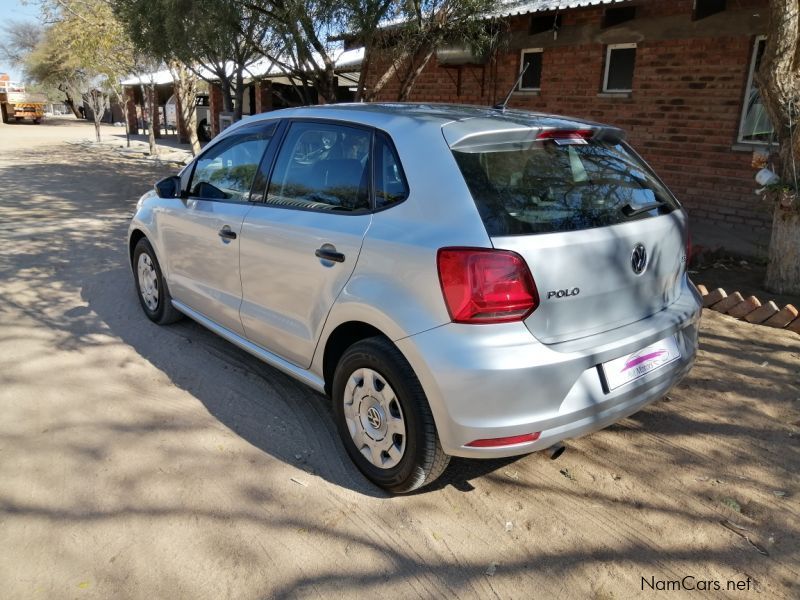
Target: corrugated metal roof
x,y
345,60
510,8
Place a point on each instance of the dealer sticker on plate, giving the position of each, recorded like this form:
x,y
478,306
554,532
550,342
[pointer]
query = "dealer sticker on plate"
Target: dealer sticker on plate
x,y
629,368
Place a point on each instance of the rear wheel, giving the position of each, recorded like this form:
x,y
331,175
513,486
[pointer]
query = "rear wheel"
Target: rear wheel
x,y
150,285
384,418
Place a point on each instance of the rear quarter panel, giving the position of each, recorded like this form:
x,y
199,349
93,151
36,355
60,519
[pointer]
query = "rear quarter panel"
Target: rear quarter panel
x,y
395,285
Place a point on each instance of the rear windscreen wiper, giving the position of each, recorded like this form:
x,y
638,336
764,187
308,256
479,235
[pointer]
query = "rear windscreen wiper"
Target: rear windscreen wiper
x,y
631,210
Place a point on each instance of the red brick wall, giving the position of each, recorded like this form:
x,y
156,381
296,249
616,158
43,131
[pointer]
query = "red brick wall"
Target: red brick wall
x,y
683,114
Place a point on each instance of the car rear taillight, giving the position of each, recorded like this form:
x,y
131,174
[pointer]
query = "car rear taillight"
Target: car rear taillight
x,y
486,286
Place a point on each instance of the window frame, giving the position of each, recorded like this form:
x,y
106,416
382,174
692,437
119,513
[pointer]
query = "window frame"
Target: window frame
x,y
260,126
522,54
747,91
610,48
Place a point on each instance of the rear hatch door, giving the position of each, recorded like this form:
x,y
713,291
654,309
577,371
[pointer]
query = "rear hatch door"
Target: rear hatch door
x,y
603,237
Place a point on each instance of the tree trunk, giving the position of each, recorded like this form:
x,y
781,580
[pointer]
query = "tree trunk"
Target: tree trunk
x,y
96,102
227,99
371,93
783,270
186,89
330,87
363,75
126,106
239,92
150,99
413,74
778,80
70,102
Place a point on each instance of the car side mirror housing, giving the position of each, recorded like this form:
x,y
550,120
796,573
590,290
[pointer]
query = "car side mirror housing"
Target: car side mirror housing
x,y
169,187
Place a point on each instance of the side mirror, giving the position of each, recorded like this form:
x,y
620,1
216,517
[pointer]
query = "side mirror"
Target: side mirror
x,y
169,187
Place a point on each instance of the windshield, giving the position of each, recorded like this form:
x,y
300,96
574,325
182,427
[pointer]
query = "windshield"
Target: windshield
x,y
551,186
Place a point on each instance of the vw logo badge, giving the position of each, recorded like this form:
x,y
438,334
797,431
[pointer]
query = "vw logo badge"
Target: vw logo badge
x,y
639,259
374,417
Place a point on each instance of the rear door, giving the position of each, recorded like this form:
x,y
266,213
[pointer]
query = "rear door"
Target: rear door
x,y
603,238
201,235
300,246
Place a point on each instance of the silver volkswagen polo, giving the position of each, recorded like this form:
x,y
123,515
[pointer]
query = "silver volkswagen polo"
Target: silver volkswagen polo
x,y
460,281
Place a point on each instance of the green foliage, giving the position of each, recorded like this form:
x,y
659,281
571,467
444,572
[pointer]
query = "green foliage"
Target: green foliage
x,y
305,36
17,41
91,39
84,48
218,39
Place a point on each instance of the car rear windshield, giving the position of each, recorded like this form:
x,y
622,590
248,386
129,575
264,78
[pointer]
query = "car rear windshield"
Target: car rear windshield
x,y
552,185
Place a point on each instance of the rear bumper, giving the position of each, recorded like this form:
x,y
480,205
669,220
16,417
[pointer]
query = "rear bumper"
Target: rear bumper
x,y
496,381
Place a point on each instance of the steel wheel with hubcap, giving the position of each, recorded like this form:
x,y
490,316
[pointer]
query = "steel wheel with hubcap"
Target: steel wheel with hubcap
x,y
374,418
384,419
153,292
148,281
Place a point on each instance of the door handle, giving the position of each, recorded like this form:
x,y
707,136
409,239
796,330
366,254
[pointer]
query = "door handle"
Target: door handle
x,y
328,254
226,234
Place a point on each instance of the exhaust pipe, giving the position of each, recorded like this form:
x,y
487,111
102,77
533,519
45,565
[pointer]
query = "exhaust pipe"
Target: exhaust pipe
x,y
555,450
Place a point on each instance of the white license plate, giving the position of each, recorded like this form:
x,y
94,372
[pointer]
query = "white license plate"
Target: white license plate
x,y
629,368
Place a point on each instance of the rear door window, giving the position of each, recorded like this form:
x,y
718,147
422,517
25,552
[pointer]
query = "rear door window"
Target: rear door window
x,y
548,186
322,166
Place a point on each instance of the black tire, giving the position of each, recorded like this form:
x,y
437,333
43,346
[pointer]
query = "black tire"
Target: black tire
x,y
163,313
423,459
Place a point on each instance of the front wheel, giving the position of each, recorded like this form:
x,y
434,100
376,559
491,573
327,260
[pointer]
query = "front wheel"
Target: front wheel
x,y
150,285
384,418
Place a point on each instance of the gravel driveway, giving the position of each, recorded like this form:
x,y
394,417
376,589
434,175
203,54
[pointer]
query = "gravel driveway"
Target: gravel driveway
x,y
146,462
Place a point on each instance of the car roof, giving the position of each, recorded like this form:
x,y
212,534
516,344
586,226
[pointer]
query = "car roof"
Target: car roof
x,y
461,120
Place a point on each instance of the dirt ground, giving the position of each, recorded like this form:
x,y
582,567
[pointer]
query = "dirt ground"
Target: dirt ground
x,y
139,461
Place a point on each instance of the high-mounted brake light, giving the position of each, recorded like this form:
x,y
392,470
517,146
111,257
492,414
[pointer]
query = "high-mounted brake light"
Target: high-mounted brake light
x,y
485,285
565,134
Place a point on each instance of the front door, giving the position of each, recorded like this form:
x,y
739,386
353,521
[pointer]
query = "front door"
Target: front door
x,y
201,236
300,246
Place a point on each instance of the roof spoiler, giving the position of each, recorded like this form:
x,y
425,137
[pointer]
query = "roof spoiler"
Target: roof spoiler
x,y
523,138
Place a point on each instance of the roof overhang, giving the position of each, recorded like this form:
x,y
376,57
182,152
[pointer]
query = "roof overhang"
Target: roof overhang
x,y
511,8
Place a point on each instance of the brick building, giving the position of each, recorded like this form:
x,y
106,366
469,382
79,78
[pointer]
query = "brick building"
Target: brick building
x,y
675,74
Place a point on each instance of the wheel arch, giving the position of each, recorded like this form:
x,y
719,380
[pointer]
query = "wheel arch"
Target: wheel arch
x,y
340,339
133,239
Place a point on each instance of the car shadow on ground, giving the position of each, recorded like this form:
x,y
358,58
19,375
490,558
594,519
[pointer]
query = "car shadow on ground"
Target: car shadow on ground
x,y
74,239
267,408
